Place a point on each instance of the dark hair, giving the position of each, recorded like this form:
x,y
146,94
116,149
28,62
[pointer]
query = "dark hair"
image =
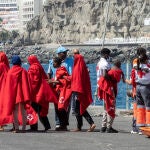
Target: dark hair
x,y
105,51
142,57
140,51
117,63
57,60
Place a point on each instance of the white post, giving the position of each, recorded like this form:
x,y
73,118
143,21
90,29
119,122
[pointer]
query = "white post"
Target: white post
x,y
106,20
95,97
127,75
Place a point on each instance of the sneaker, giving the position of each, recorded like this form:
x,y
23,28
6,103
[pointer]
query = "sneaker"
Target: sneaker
x,y
61,128
103,129
57,127
140,132
111,130
48,127
134,132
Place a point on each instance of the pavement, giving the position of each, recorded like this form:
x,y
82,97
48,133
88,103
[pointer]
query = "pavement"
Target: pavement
x,y
66,140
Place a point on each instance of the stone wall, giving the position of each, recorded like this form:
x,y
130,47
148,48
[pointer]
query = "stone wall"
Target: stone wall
x,y
76,21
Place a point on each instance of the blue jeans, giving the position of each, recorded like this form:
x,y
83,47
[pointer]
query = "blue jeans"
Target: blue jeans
x,y
73,102
56,116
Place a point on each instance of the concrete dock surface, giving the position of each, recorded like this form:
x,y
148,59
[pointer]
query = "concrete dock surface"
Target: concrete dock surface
x,y
67,140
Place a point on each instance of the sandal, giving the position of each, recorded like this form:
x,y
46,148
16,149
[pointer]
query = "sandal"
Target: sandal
x,y
91,128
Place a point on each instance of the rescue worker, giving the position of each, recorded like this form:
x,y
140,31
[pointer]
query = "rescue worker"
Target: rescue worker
x,y
143,89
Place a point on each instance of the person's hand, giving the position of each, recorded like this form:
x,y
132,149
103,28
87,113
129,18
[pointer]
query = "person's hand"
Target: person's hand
x,y
49,81
128,81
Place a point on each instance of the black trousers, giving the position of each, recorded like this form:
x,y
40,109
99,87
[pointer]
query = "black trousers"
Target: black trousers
x,y
44,120
63,116
58,116
79,117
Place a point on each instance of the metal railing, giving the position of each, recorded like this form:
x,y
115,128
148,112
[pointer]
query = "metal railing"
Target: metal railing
x,y
141,40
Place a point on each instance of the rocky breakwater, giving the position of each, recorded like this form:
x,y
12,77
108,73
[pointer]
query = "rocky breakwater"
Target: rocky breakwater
x,y
42,53
91,54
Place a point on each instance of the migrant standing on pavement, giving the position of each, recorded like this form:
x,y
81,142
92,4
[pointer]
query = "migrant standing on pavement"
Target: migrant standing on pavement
x,y
19,95
75,51
81,87
62,84
102,69
4,67
107,91
41,91
73,102
67,62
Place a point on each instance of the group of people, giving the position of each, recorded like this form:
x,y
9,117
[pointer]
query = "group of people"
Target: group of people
x,y
73,75
25,94
107,79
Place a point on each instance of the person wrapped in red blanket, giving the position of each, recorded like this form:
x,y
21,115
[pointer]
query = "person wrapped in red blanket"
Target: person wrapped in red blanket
x,y
42,93
107,90
4,67
81,88
16,97
62,84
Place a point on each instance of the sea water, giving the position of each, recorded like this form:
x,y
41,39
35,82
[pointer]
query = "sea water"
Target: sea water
x,y
121,100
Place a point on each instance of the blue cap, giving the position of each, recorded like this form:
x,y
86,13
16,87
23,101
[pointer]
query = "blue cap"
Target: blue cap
x,y
61,50
16,60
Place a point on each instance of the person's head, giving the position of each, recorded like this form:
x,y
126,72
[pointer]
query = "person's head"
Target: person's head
x,y
62,52
33,59
3,58
76,51
16,60
117,63
105,52
141,52
56,62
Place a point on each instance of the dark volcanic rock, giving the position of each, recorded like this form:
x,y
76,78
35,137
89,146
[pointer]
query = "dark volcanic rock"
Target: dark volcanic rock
x,y
91,55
